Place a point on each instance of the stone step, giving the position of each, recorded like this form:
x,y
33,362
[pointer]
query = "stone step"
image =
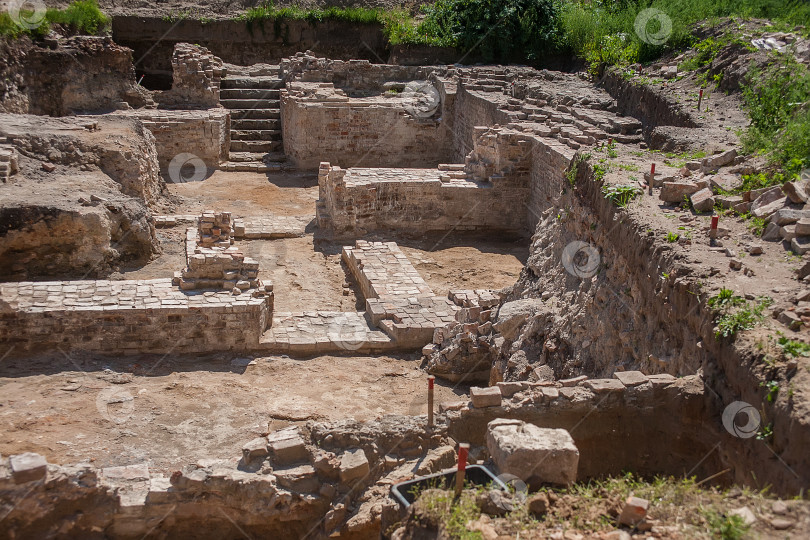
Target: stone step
x,y
266,157
255,114
254,166
250,123
256,146
250,103
323,332
249,93
269,226
256,135
251,82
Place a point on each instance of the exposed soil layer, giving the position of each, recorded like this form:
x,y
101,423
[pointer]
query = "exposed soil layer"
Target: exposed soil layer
x,y
184,409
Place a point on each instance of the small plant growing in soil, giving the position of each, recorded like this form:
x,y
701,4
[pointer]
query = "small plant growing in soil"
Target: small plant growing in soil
x,y
728,527
765,433
725,299
672,237
792,348
730,322
773,389
621,196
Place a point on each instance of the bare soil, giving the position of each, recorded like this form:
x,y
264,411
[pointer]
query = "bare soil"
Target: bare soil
x,y
178,410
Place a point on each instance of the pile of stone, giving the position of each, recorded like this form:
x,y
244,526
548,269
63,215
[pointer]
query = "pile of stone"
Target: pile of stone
x,y
462,349
216,230
216,268
213,263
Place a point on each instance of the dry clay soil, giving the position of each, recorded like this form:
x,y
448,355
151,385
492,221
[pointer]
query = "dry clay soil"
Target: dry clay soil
x,y
173,410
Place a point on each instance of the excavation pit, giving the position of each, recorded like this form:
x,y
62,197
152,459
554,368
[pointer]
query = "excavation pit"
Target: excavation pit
x,y
221,301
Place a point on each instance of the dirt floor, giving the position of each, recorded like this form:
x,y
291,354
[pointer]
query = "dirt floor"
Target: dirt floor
x,y
173,411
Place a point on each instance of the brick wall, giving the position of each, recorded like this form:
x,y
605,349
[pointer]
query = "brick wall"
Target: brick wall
x,y
206,134
321,123
473,108
122,317
416,201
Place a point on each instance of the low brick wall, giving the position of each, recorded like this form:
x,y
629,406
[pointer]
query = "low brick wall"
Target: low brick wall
x,y
206,133
361,200
123,317
324,124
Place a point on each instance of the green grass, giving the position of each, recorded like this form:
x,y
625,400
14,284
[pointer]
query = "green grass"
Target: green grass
x,y
398,26
603,31
82,17
776,99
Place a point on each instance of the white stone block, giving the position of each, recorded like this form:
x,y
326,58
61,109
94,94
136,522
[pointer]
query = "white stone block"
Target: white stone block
x,y
531,453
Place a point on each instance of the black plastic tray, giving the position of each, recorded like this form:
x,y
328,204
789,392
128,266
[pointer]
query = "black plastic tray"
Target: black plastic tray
x,y
476,475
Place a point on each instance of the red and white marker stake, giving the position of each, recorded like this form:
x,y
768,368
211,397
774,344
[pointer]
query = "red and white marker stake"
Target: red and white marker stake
x,y
700,99
652,176
713,230
431,379
463,450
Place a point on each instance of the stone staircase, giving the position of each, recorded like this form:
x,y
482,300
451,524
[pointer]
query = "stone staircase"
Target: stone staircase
x,y
256,144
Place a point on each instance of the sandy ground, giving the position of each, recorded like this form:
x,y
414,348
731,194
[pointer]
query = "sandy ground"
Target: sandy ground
x,y
171,411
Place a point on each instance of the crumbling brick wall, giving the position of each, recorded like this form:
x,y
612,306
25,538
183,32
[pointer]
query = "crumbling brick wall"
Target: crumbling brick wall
x,y
196,76
206,134
321,123
128,317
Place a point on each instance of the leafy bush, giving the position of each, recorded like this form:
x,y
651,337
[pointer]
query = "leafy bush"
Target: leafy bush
x,y
496,30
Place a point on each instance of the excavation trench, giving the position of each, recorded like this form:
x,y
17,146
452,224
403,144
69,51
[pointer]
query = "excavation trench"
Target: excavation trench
x,y
601,295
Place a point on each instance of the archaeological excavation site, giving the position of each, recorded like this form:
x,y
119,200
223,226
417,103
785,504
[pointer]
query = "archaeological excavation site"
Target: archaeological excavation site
x,y
467,269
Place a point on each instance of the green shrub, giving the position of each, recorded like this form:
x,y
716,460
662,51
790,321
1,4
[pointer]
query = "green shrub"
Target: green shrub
x,y
497,30
82,17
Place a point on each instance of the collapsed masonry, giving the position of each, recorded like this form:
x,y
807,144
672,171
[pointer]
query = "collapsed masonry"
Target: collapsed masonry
x,y
213,263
